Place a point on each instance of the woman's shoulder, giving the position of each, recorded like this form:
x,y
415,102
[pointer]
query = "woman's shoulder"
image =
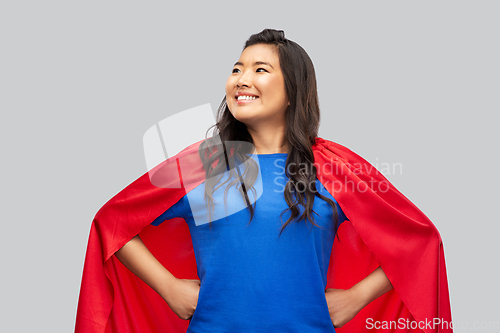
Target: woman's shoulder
x,y
331,148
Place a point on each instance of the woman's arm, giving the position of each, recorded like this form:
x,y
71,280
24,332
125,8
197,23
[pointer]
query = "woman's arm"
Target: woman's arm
x,y
345,304
181,295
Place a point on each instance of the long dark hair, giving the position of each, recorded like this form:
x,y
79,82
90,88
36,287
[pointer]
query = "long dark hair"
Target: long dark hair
x,y
302,124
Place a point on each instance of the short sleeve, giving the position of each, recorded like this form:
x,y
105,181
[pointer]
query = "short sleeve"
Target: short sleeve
x,y
177,210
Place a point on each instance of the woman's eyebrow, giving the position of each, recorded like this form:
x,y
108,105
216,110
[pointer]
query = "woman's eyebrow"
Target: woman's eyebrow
x,y
239,63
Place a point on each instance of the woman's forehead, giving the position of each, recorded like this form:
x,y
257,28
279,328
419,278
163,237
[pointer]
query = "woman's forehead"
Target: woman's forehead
x,y
259,52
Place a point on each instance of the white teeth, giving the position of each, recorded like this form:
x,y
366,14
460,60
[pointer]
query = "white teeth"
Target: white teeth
x,y
242,97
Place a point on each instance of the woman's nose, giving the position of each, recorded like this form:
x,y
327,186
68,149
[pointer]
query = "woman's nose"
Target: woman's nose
x,y
243,81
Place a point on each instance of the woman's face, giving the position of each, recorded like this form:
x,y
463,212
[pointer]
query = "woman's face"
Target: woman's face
x,y
255,91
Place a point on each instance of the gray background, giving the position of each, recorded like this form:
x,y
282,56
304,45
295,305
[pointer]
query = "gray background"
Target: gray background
x,y
414,83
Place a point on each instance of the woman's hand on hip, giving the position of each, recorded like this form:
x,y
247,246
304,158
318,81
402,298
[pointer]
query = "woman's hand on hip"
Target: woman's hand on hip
x,y
182,297
343,305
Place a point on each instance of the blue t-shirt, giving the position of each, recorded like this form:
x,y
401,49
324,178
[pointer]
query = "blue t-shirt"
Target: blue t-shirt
x,y
251,279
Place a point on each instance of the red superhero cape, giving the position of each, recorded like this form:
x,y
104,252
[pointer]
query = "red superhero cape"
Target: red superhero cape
x,y
383,229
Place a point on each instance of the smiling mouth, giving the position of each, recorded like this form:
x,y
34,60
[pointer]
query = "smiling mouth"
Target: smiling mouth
x,y
246,98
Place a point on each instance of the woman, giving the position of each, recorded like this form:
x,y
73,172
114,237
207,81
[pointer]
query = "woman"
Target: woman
x,y
266,264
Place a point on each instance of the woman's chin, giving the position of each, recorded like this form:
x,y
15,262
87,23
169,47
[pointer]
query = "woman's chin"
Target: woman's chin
x,y
244,115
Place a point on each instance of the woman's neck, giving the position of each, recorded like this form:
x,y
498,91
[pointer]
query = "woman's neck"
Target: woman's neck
x,y
269,141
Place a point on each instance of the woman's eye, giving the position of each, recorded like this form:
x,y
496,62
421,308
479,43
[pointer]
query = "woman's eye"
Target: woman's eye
x,y
235,70
259,69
